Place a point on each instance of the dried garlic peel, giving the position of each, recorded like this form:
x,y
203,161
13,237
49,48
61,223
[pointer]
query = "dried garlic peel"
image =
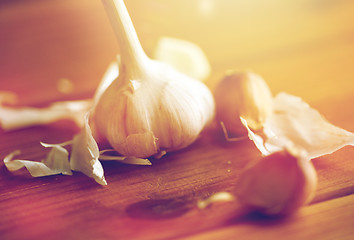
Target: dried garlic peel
x,y
296,122
123,159
85,153
15,118
84,158
216,197
57,162
183,55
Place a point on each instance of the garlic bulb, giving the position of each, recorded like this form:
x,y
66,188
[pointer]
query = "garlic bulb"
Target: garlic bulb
x,y
150,108
242,94
278,184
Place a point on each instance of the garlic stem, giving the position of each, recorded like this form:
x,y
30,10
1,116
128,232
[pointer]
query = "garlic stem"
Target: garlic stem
x,y
131,51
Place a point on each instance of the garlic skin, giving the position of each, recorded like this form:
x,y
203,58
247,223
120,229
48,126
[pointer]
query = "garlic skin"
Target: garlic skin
x,y
295,121
150,108
242,94
278,184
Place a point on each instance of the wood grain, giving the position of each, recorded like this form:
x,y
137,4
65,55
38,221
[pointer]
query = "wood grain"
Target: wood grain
x,y
305,48
313,222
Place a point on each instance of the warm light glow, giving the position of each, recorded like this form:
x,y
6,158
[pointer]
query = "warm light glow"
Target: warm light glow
x,y
257,35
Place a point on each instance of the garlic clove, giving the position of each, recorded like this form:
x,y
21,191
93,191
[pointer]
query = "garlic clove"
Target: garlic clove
x,y
141,144
278,184
242,94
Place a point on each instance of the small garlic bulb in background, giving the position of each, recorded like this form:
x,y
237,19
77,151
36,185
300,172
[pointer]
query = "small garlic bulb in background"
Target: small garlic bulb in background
x,y
242,94
185,56
150,108
277,184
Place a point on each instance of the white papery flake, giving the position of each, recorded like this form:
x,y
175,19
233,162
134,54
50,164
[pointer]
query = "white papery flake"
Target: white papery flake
x,y
123,159
294,122
85,153
15,118
216,197
56,162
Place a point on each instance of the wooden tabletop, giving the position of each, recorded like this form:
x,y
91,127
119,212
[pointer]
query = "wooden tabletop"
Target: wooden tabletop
x,y
303,47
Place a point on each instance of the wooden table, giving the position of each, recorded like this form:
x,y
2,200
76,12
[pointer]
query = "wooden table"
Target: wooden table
x,y
305,48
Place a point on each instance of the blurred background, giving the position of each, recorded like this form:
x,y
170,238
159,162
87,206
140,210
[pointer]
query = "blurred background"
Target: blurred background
x,y
304,47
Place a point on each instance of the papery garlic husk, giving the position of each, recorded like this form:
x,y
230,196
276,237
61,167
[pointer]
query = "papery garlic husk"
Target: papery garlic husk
x,y
150,108
295,121
278,184
56,162
242,94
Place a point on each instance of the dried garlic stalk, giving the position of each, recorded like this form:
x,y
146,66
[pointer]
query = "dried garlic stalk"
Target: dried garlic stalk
x,y
150,108
15,118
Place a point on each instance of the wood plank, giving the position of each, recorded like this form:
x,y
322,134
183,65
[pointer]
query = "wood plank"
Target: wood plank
x,y
328,220
162,196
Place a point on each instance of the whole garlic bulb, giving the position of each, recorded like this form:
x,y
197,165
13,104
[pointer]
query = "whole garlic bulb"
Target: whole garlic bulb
x,y
278,184
150,108
242,94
